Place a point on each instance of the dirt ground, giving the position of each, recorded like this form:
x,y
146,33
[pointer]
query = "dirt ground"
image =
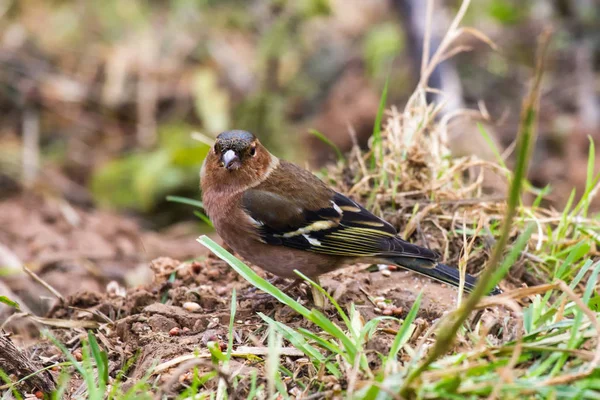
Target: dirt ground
x,y
184,305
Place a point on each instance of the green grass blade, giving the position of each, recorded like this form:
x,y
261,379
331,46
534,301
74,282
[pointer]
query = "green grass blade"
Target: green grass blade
x,y
101,359
231,323
327,141
314,316
185,200
512,256
325,323
331,299
405,330
577,253
6,379
377,141
252,277
591,164
492,146
299,342
203,218
9,302
331,347
369,329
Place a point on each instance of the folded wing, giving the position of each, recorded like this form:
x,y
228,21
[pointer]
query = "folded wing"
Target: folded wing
x,y
341,228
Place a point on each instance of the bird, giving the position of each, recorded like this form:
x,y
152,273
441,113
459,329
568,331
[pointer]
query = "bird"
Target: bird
x,y
281,218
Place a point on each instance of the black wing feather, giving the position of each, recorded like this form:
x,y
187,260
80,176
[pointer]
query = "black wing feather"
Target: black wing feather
x,y
345,229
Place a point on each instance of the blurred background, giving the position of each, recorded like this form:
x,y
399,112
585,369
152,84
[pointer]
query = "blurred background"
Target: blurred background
x,y
99,100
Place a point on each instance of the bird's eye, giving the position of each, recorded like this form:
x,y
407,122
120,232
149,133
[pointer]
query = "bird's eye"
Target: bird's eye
x,y
216,149
252,151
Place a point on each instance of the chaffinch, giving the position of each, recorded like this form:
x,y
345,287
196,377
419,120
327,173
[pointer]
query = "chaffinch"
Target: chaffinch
x,y
281,217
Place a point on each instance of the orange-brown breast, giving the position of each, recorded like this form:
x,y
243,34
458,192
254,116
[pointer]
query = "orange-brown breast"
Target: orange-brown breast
x,y
223,205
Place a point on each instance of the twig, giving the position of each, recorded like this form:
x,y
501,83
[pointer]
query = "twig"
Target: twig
x,y
45,284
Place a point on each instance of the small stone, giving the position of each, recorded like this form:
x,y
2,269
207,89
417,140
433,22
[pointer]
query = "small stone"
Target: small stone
x,y
191,306
77,354
381,305
386,272
114,289
185,330
185,377
39,394
397,310
387,311
196,267
213,273
377,310
222,290
174,331
214,322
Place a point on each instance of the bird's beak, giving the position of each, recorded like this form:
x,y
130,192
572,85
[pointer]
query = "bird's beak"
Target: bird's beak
x,y
231,160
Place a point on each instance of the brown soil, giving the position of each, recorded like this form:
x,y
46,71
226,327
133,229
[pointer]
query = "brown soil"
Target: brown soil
x,y
149,322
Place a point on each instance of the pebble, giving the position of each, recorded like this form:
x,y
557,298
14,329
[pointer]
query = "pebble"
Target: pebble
x,y
386,272
381,305
196,267
191,306
77,354
387,311
397,310
213,273
174,331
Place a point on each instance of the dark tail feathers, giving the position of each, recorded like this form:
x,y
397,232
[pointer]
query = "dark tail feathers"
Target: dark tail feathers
x,y
440,272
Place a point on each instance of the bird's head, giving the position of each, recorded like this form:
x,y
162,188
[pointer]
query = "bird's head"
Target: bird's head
x,y
237,158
